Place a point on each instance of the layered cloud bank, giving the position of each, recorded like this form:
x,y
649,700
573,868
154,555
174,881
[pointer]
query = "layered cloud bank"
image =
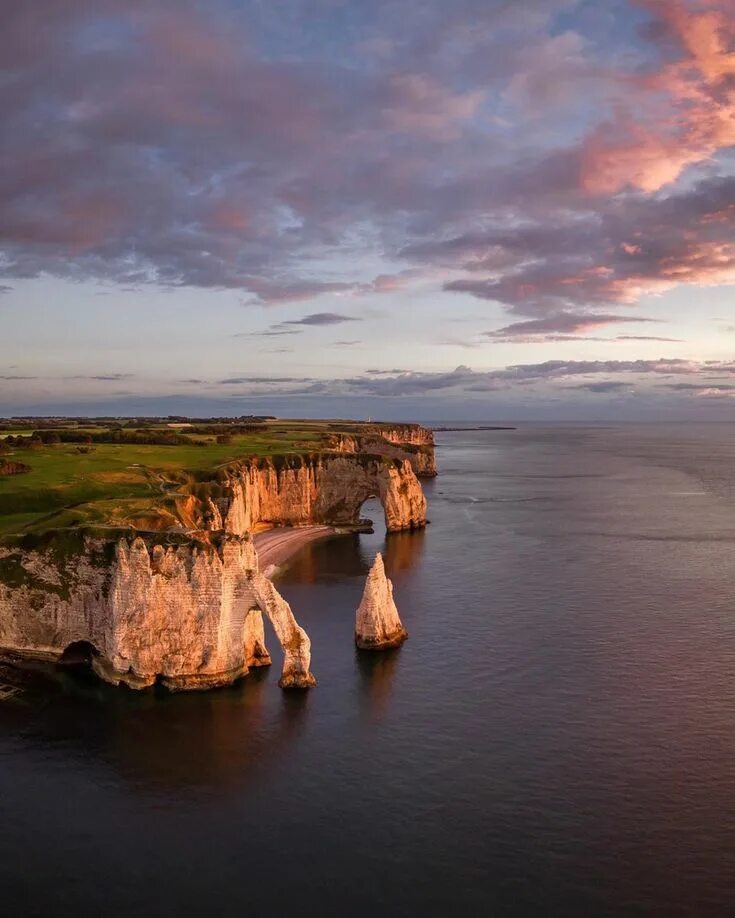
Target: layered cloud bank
x,y
557,161
616,389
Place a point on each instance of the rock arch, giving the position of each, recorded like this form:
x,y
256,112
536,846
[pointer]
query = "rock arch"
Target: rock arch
x,y
182,610
346,484
204,602
327,491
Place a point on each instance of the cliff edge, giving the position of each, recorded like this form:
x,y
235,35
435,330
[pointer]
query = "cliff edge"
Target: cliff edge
x,y
186,612
315,490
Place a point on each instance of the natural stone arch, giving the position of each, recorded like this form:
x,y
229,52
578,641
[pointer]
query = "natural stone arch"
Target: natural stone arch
x,y
348,484
204,601
366,523
325,490
296,672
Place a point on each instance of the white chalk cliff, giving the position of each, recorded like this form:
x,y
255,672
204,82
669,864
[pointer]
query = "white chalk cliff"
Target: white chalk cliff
x,y
178,598
322,490
187,615
377,623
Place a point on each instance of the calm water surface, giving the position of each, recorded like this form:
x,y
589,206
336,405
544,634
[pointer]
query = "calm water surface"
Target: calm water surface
x,y
557,737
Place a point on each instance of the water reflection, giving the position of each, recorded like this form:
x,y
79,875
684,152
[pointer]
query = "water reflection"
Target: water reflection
x,y
377,671
329,559
160,742
231,739
403,550
352,555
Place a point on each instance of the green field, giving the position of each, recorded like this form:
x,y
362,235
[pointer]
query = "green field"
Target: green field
x,y
131,484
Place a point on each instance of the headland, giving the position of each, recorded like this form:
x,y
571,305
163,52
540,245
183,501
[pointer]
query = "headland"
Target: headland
x,y
135,542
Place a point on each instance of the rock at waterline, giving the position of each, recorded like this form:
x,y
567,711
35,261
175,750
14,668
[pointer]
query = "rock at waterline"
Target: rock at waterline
x,y
377,623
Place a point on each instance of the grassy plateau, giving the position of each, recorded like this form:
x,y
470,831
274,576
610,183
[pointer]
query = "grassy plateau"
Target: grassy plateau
x,y
123,483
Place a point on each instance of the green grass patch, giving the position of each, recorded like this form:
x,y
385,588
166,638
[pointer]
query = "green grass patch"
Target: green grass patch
x,y
131,484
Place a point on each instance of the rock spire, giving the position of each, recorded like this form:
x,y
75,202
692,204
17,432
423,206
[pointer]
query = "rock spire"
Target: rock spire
x,y
377,624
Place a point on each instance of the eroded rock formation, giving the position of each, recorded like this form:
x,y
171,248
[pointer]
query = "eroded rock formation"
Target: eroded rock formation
x,y
377,623
188,615
414,434
325,490
294,640
184,605
407,441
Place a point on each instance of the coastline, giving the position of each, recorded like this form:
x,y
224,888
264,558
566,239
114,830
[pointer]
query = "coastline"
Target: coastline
x,y
275,547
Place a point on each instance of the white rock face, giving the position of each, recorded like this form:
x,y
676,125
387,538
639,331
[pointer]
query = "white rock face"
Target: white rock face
x,y
291,636
328,491
187,615
377,623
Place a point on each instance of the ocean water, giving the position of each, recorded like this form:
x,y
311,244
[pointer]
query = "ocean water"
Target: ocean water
x,y
557,737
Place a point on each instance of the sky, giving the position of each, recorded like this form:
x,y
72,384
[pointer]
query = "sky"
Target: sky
x,y
414,209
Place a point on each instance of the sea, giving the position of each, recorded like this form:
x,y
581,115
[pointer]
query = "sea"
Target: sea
x,y
556,737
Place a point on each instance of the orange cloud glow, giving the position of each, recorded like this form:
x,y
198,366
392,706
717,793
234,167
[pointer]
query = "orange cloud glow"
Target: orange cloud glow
x,y
647,154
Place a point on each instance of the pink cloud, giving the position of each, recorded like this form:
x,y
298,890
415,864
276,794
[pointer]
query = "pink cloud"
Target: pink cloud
x,y
418,104
695,115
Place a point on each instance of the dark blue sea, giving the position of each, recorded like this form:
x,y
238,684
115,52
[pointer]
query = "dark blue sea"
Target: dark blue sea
x,y
557,736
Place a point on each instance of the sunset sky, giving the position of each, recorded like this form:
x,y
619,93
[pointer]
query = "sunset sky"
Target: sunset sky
x,y
412,209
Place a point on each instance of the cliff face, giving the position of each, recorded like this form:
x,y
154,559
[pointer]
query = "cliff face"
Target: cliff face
x,y
186,615
407,441
377,623
419,441
408,433
185,606
325,490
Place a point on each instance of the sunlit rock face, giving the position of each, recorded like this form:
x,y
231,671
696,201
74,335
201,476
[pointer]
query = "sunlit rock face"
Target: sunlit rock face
x,y
187,615
292,637
405,441
377,623
324,491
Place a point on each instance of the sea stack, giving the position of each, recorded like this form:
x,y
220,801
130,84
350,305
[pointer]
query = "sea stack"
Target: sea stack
x,y
377,624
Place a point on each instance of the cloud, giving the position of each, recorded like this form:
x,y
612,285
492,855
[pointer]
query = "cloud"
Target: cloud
x,y
603,387
539,379
274,332
645,338
524,154
264,380
589,261
322,318
695,117
276,292
418,105
564,323
649,382
374,372
104,377
698,387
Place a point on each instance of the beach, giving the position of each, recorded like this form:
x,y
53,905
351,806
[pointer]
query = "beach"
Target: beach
x,y
276,546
